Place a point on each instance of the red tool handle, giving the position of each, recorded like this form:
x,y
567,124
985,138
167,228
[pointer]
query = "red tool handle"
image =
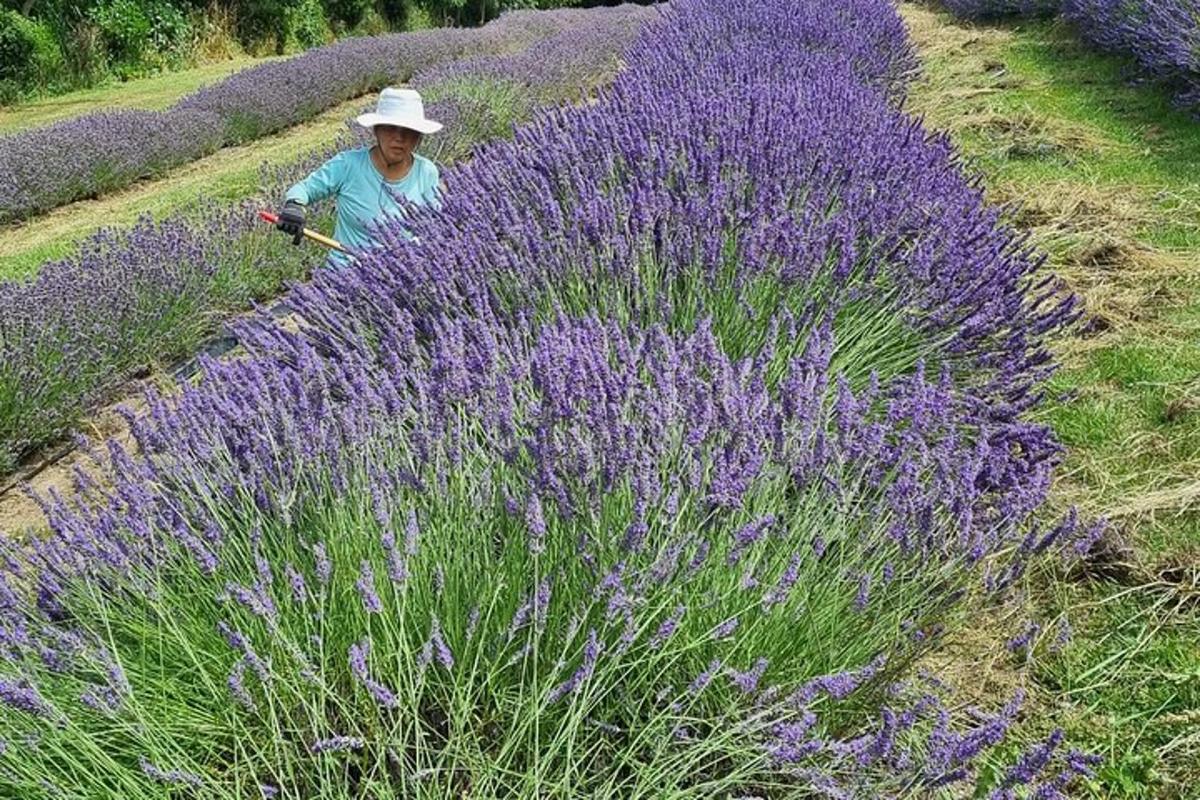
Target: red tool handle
x,y
310,234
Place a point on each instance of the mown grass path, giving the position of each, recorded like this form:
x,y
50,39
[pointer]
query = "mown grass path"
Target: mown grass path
x,y
1106,177
152,93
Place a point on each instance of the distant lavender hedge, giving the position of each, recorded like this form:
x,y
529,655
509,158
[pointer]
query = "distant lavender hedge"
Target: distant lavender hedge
x,y
86,156
994,9
129,299
1162,35
691,420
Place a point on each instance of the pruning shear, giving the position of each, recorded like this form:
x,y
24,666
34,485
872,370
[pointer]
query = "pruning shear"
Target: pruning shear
x,y
321,239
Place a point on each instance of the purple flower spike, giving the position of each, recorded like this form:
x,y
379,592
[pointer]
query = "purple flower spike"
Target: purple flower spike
x,y
324,566
336,744
23,697
440,649
591,653
667,628
536,525
748,681
176,777
726,628
366,589
383,696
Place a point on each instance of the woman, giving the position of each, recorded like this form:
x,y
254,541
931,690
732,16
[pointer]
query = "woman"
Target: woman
x,y
366,181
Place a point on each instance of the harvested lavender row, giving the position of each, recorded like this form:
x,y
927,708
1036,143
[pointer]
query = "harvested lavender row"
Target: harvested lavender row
x,y
1162,35
73,333
83,157
630,493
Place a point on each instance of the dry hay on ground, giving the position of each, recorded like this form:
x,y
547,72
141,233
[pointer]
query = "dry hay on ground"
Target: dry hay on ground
x,y
55,470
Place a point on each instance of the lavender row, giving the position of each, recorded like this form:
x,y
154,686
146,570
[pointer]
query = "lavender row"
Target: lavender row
x,y
844,205
74,333
994,9
86,156
537,515
692,418
1162,35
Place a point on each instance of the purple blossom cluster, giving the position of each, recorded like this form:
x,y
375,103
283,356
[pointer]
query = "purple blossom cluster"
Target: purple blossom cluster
x,y
692,414
1162,35
153,293
86,156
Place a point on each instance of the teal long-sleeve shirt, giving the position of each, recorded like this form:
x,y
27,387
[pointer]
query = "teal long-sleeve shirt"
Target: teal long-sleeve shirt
x,y
363,195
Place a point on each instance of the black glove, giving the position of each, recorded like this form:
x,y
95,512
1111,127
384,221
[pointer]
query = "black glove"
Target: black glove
x,y
291,220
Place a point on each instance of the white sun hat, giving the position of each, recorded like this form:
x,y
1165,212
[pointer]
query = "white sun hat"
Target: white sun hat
x,y
402,108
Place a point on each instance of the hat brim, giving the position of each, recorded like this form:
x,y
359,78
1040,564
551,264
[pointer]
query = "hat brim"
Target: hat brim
x,y
422,125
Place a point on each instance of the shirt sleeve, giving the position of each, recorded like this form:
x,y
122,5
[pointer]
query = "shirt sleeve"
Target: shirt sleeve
x,y
326,180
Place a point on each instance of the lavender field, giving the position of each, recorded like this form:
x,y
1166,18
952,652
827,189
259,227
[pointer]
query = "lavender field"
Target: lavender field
x,y
74,334
706,417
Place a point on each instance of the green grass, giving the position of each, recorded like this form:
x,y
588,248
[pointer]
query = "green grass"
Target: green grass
x,y
152,93
1107,176
1131,678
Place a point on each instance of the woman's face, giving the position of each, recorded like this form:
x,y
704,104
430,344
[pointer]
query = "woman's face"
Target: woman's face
x,y
396,144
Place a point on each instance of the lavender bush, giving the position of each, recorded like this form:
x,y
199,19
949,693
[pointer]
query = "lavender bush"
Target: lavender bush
x,y
503,552
1162,35
692,419
151,294
86,156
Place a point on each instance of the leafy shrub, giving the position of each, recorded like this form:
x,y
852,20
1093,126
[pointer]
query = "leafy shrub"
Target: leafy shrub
x,y
263,21
29,55
140,36
307,24
172,34
215,32
396,12
125,30
84,53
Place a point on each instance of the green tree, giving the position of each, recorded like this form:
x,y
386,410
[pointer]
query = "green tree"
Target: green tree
x,y
347,13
